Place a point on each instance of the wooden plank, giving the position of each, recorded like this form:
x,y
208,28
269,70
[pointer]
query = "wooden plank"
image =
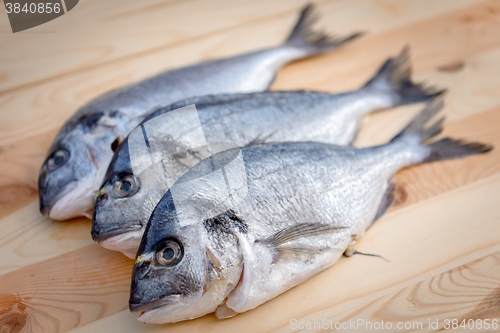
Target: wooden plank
x,y
28,237
116,29
435,42
467,294
64,292
412,239
14,197
472,87
100,32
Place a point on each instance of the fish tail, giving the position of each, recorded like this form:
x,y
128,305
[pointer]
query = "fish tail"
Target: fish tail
x,y
418,131
449,148
394,77
417,128
304,37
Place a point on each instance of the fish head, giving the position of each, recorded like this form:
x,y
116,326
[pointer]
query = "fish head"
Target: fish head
x,y
70,175
123,205
181,271
127,197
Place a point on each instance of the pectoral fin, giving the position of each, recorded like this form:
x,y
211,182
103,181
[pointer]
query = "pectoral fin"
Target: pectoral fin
x,y
276,241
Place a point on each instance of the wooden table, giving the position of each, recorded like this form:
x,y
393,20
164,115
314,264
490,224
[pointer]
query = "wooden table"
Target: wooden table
x,y
441,240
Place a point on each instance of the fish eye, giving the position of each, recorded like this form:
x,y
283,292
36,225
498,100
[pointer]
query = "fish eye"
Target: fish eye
x,y
57,159
125,186
169,252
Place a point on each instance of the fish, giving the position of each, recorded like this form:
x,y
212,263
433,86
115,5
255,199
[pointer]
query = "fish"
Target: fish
x,y
120,216
282,213
77,159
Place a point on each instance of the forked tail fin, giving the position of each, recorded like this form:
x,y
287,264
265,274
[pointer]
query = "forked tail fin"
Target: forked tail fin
x,y
394,77
443,149
304,37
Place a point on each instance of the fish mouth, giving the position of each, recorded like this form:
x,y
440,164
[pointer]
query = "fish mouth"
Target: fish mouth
x,y
98,236
153,305
46,207
75,200
127,241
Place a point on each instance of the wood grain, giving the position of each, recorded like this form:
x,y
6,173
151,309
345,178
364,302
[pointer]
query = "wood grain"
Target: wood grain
x,y
85,42
469,292
70,290
168,23
14,197
435,41
441,239
27,237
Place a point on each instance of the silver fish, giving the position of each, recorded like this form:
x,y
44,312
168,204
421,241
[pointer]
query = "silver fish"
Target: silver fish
x,y
282,213
123,206
77,160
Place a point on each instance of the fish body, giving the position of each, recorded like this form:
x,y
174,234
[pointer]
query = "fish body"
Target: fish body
x,y
240,119
79,155
282,213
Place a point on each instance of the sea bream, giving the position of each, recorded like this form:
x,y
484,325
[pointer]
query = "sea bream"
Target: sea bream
x,y
245,225
128,195
77,160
